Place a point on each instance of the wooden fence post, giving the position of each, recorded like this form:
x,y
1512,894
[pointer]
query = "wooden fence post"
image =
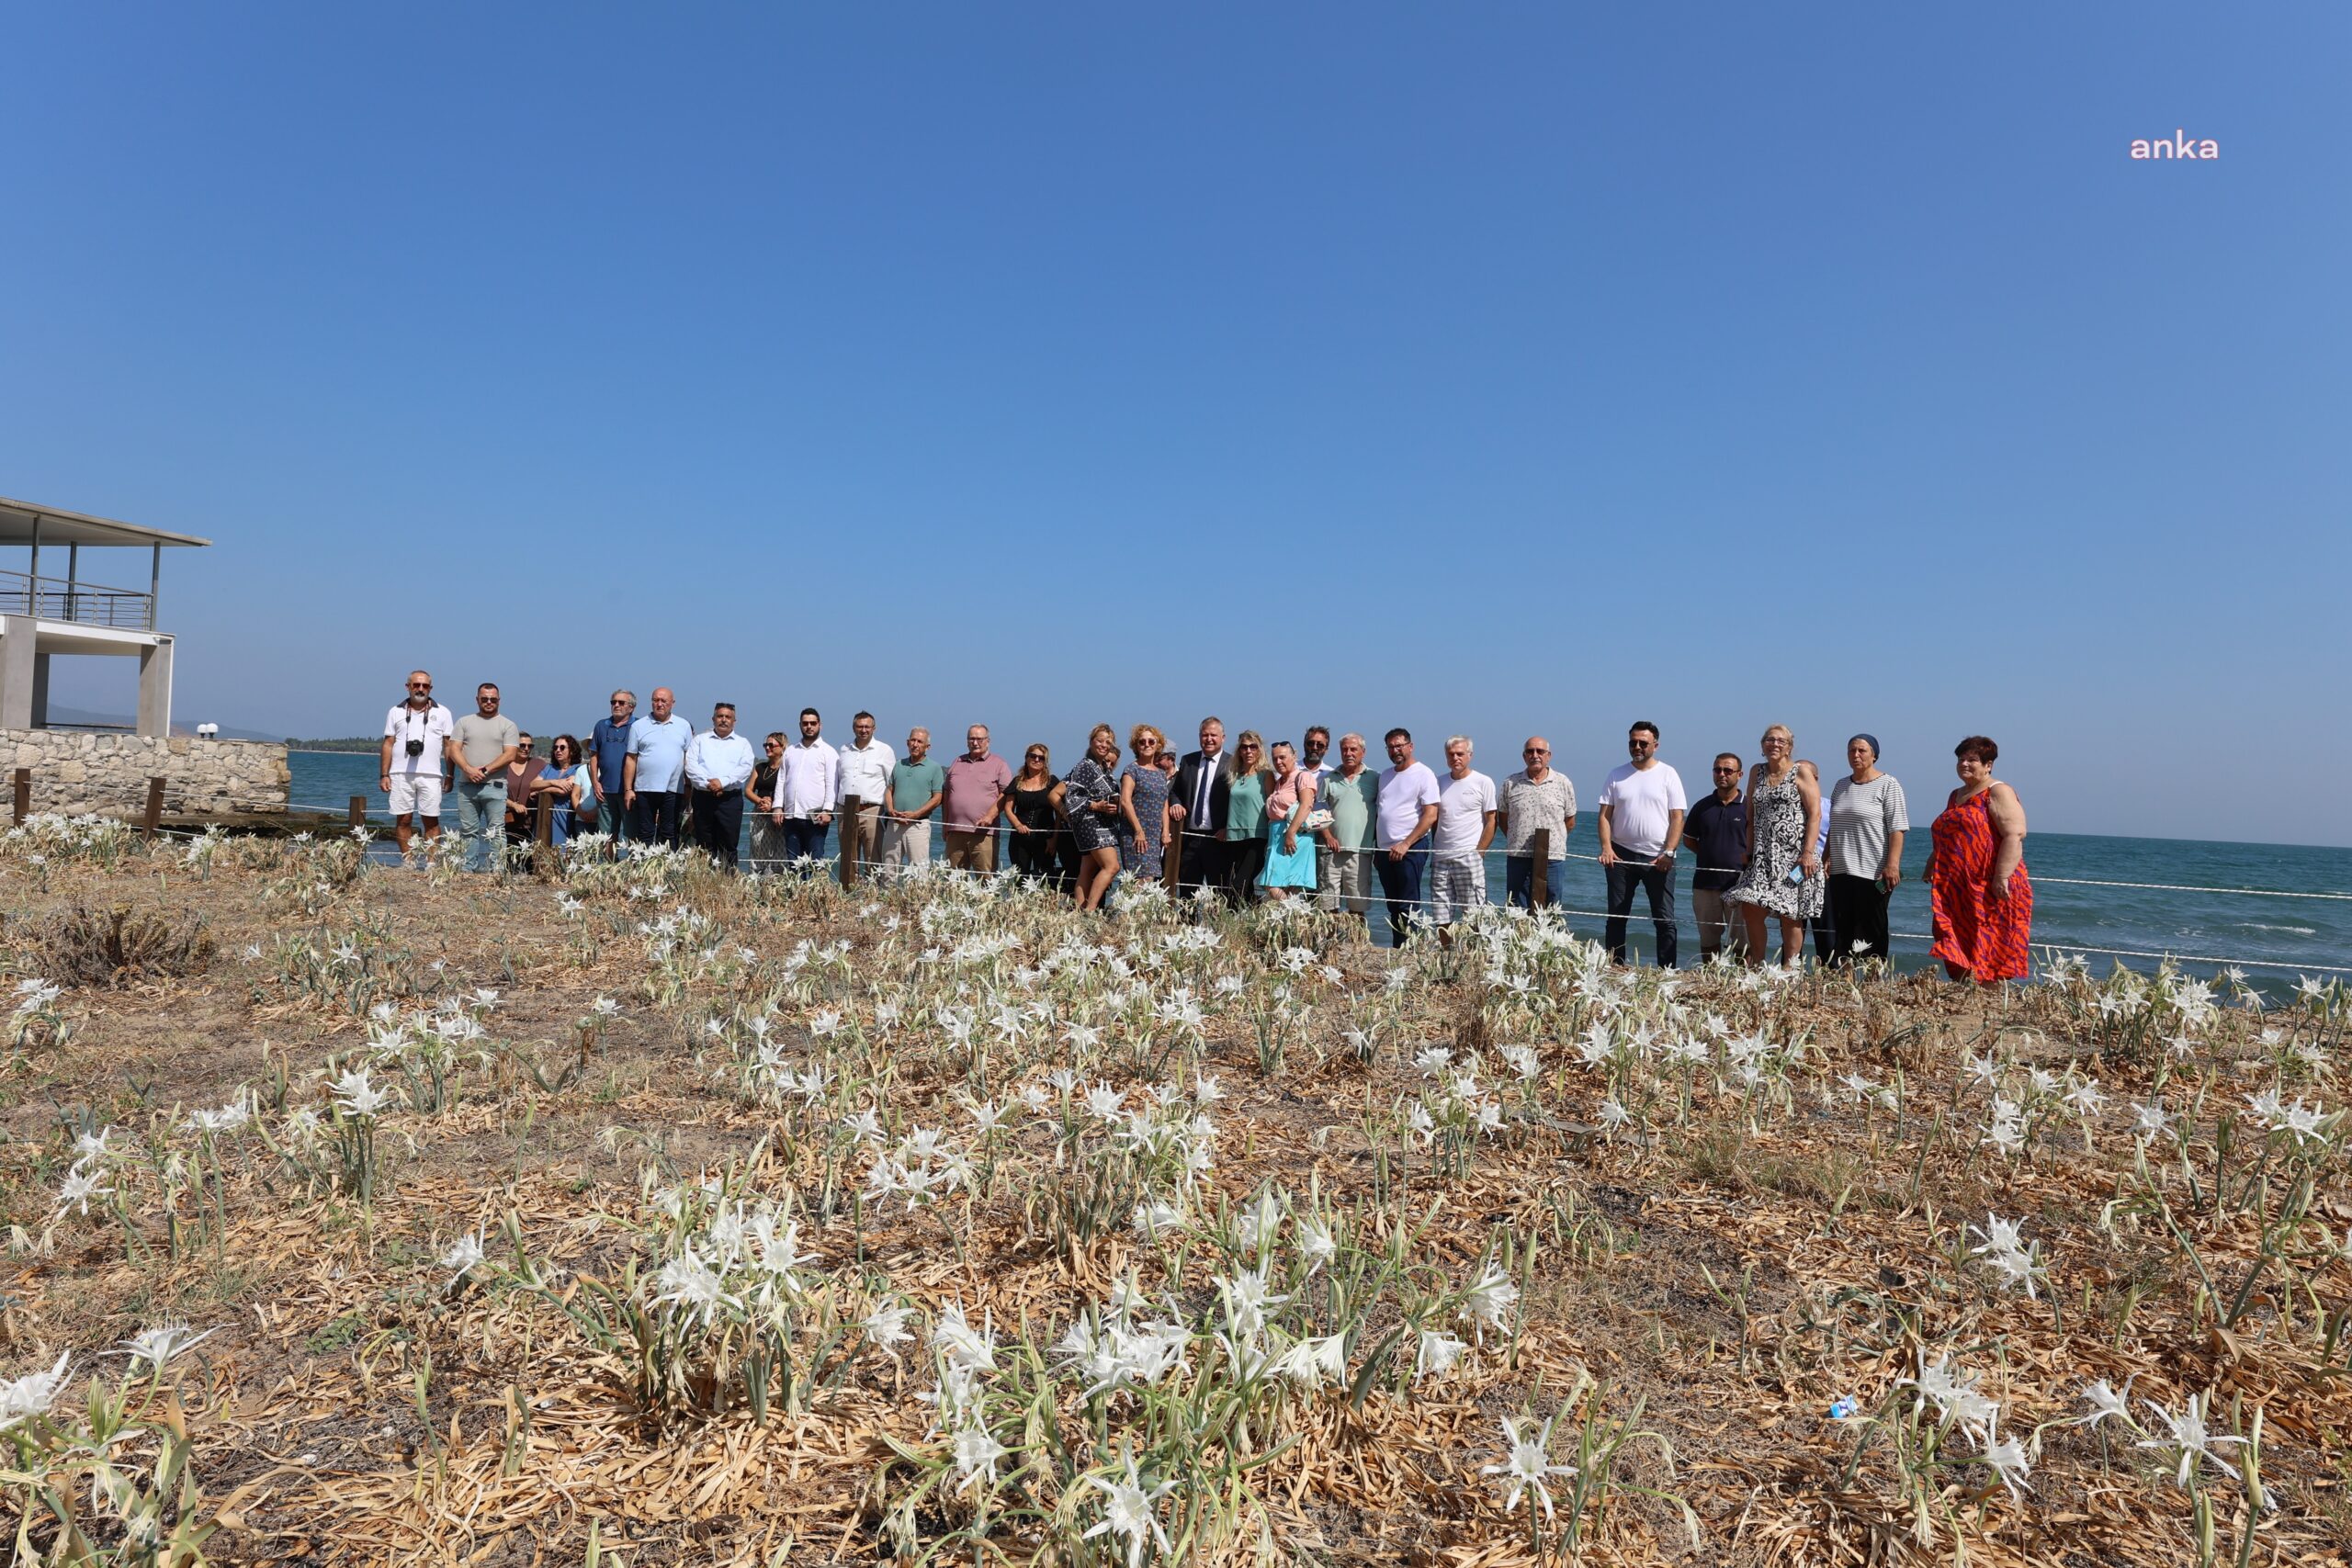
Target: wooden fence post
x,y
543,836
1172,869
154,813
359,812
24,792
852,829
1539,877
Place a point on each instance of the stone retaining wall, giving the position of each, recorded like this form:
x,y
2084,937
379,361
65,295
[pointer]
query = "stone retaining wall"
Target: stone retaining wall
x,y
77,773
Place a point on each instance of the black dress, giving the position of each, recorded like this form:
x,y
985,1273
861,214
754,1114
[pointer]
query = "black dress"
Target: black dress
x,y
1034,853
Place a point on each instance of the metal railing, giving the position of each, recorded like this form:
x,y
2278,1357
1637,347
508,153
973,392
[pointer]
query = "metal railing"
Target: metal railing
x,y
83,603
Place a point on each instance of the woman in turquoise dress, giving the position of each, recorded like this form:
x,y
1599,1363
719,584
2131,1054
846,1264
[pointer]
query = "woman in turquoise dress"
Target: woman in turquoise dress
x,y
1290,850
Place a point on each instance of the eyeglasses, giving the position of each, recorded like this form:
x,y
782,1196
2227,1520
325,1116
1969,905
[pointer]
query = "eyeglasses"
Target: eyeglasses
x,y
420,685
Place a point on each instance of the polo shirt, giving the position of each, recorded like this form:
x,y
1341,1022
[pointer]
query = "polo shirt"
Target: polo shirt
x,y
1351,802
608,743
660,752
1403,793
974,788
913,783
1718,834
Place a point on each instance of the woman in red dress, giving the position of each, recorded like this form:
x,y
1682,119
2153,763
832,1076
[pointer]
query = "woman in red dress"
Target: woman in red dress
x,y
1978,893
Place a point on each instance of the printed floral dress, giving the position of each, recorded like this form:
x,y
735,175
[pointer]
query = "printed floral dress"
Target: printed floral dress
x,y
1088,782
1151,809
1776,819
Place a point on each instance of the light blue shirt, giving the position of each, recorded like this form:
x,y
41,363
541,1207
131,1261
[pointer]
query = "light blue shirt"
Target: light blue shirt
x,y
660,752
725,758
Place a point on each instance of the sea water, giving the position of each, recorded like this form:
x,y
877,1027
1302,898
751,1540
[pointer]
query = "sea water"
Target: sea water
x,y
2281,934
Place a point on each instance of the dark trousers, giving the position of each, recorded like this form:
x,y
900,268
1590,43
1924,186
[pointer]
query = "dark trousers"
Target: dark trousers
x,y
1858,910
1244,864
719,824
1206,862
655,818
1659,880
804,836
1400,886
1032,853
1518,880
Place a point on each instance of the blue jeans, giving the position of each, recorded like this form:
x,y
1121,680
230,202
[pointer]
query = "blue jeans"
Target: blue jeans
x,y
1658,882
481,821
804,836
1519,880
1400,885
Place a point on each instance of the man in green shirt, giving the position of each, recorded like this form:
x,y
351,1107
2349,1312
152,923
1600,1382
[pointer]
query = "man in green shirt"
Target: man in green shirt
x,y
916,784
1350,792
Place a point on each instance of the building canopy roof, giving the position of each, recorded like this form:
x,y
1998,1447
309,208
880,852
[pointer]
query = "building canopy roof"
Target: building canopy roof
x,y
59,527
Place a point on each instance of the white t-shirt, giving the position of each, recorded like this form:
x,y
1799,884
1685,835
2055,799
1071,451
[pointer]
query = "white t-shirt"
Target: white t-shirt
x,y
433,727
1638,800
1461,809
1403,792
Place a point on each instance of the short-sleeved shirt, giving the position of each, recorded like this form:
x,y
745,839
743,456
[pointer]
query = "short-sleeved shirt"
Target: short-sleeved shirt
x,y
913,783
1462,807
1717,833
1530,807
1351,803
608,743
1861,819
1639,800
1403,793
974,788
660,748
866,771
433,727
480,739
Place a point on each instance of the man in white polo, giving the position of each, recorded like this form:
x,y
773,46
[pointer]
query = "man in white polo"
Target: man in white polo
x,y
416,740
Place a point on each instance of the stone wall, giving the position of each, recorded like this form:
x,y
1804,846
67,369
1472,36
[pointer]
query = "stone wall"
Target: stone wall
x,y
77,772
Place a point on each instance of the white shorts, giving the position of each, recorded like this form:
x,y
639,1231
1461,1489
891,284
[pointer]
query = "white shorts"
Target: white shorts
x,y
416,794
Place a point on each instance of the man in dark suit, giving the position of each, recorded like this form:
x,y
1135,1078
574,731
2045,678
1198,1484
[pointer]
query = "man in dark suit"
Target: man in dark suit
x,y
1197,803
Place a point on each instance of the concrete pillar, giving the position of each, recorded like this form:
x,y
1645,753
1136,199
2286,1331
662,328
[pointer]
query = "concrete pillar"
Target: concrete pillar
x,y
17,662
40,689
155,689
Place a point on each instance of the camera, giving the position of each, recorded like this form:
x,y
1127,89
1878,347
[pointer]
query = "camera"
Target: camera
x,y
415,747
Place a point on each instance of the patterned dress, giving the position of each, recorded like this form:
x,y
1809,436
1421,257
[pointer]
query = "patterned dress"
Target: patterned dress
x,y
1086,783
1776,820
1977,937
1151,809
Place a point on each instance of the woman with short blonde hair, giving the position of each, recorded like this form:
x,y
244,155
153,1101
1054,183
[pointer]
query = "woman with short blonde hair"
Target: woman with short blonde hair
x,y
1143,805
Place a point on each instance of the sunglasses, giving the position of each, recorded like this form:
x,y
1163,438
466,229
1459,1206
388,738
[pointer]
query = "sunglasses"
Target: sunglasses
x,y
420,685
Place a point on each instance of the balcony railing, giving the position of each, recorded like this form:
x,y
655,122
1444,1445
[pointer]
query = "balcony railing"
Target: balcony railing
x,y
85,604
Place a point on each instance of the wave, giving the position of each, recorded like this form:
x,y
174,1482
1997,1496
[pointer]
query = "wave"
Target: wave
x,y
2291,930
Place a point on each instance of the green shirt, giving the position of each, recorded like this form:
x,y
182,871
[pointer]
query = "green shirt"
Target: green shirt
x,y
913,783
1245,811
1351,803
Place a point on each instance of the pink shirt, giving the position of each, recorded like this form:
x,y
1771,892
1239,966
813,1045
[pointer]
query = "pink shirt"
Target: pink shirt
x,y
1283,798
973,788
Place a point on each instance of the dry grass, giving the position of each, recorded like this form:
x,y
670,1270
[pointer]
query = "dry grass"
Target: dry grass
x,y
1736,1272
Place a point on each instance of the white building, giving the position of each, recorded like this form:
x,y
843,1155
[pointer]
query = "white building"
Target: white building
x,y
44,613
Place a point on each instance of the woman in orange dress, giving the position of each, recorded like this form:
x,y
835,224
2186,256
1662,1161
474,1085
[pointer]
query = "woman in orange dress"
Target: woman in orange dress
x,y
1978,893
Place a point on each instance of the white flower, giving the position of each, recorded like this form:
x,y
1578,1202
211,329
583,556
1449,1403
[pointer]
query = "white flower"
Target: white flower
x,y
1527,1466
1489,1296
2105,1402
31,1394
464,1257
976,1454
1153,1217
692,1285
887,1325
1438,1352
1126,1511
967,1349
1313,1363
158,1345
2189,1438
78,1188
358,1096
2009,1460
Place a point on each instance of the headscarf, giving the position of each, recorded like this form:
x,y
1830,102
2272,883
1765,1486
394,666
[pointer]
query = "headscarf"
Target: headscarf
x,y
1873,741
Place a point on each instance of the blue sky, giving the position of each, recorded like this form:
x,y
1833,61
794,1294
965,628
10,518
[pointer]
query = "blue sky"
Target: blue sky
x,y
1491,368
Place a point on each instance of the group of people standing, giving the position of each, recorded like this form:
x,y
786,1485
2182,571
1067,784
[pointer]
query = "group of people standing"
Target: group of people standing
x,y
1259,822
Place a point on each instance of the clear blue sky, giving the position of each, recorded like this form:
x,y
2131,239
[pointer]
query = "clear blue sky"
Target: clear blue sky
x,y
1509,368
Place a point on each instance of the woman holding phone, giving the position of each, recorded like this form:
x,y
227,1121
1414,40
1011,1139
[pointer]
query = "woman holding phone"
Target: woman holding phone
x,y
1868,818
1780,871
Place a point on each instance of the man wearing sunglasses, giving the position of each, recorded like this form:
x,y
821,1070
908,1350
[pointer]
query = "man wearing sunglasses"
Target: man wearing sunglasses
x,y
416,760
608,764
1717,833
1642,807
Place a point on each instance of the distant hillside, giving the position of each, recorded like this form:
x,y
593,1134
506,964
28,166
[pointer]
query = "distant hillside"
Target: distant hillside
x,y
68,718
337,743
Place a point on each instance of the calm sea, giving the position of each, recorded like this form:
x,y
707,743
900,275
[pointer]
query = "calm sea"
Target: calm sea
x,y
2287,934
